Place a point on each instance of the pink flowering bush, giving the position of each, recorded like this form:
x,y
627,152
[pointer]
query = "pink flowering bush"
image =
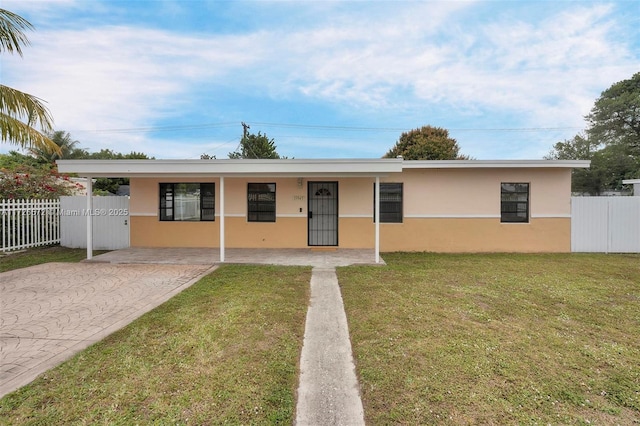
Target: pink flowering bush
x,y
34,183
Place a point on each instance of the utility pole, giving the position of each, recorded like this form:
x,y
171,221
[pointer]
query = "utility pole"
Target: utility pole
x,y
245,127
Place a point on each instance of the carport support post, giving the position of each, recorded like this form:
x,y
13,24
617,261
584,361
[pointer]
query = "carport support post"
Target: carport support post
x,y
221,219
377,217
89,218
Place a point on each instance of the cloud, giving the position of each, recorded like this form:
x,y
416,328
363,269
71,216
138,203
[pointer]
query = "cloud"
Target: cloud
x,y
474,61
535,67
120,77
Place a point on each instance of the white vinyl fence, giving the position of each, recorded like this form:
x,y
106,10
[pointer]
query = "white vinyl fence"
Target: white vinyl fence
x,y
29,223
110,222
605,224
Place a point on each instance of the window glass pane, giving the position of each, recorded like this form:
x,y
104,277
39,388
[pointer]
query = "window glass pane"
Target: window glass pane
x,y
187,201
208,201
390,202
514,202
166,201
261,202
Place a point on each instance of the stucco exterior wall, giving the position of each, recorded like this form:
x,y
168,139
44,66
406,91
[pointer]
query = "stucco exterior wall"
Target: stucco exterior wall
x,y
549,235
476,192
445,210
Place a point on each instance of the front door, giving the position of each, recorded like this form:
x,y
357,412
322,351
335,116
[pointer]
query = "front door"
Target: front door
x,y
323,213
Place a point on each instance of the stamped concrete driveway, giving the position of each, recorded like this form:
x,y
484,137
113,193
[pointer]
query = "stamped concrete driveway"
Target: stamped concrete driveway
x,y
50,312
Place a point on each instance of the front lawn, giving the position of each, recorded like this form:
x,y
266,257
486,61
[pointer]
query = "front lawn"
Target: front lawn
x,y
38,255
497,338
438,339
224,351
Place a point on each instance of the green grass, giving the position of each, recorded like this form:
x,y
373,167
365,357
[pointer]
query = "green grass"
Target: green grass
x,y
438,339
36,256
497,338
224,351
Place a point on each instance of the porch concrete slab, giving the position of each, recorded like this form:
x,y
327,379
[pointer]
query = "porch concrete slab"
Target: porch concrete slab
x,y
51,311
209,256
328,391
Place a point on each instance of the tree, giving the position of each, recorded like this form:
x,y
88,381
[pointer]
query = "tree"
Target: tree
x,y
615,116
67,148
580,147
15,105
111,185
28,176
107,154
426,143
614,163
611,141
14,159
256,146
609,164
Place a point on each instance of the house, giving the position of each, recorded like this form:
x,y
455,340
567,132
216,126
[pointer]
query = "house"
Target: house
x,y
636,185
439,206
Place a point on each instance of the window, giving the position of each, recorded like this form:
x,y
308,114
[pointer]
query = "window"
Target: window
x,y
261,202
187,202
390,202
514,202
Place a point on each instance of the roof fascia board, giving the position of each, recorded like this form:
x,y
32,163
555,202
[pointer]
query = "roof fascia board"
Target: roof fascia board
x,y
288,168
116,168
499,164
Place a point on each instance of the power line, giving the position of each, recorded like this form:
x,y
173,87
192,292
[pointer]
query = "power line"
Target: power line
x,y
320,127
518,129
160,128
399,129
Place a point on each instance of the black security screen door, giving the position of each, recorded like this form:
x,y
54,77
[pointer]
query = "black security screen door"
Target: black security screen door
x,y
323,213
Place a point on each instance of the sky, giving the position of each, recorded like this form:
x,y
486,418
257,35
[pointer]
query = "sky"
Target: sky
x,y
324,79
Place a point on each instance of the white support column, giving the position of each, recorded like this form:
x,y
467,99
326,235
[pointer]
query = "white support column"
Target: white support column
x,y
221,218
89,218
377,217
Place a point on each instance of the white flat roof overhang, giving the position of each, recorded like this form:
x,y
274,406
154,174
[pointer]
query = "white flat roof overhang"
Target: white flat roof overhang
x,y
495,164
287,168
231,168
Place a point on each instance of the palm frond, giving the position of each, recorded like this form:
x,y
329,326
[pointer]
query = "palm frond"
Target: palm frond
x,y
19,133
22,105
12,36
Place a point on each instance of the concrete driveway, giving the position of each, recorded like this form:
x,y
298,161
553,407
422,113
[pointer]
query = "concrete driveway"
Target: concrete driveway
x,y
50,312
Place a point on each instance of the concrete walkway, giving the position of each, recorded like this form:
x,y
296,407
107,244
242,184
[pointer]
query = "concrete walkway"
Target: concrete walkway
x,y
50,312
328,392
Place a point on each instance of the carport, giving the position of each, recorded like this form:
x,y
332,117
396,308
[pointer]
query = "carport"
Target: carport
x,y
227,170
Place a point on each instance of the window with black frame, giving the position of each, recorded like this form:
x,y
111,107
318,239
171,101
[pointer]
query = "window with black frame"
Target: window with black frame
x,y
390,202
514,202
187,202
261,202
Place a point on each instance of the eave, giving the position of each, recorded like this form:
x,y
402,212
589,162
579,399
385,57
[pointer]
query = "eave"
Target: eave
x,y
231,168
287,168
495,164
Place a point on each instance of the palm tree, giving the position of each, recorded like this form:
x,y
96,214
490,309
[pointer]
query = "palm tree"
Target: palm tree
x,y
16,106
67,148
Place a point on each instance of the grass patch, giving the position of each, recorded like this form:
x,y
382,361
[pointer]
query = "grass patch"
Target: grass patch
x,y
38,255
497,338
224,351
